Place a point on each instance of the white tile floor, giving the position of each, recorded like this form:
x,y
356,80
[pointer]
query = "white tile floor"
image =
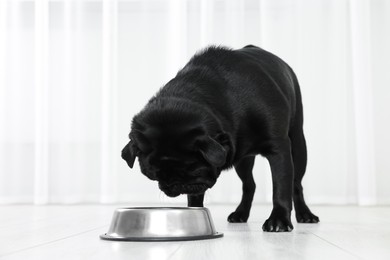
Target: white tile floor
x,y
72,232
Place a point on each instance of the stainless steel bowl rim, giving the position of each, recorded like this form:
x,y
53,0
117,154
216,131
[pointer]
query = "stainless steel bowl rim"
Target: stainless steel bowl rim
x,y
162,208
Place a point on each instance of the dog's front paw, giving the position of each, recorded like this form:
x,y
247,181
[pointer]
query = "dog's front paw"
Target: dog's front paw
x,y
238,217
306,217
278,224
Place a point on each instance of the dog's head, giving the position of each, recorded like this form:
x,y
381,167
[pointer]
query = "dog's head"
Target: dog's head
x,y
181,156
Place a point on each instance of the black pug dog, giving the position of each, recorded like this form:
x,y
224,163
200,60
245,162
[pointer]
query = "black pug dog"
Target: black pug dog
x,y
221,110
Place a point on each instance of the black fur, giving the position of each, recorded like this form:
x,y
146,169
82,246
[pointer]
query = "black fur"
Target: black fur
x,y
221,110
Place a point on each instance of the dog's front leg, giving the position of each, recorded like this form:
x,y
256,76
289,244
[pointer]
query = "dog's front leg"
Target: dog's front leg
x,y
195,200
282,182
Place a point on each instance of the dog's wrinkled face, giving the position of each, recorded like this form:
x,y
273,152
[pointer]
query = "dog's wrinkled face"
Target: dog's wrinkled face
x,y
183,161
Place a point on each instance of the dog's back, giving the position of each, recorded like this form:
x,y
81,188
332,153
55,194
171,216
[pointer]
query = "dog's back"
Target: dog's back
x,y
250,90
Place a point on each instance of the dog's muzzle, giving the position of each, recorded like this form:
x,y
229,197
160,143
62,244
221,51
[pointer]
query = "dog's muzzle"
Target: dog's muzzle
x,y
175,189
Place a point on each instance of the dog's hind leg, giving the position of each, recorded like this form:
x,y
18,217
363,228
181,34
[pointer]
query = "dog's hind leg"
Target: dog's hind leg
x,y
244,170
299,155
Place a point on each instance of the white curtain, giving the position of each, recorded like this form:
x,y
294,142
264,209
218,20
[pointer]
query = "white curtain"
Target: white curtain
x,y
73,73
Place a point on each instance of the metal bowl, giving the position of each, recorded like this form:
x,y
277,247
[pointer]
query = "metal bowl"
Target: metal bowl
x,y
161,224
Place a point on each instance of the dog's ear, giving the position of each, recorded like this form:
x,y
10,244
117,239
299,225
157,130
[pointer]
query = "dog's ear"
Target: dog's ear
x,y
225,140
140,141
212,151
129,152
